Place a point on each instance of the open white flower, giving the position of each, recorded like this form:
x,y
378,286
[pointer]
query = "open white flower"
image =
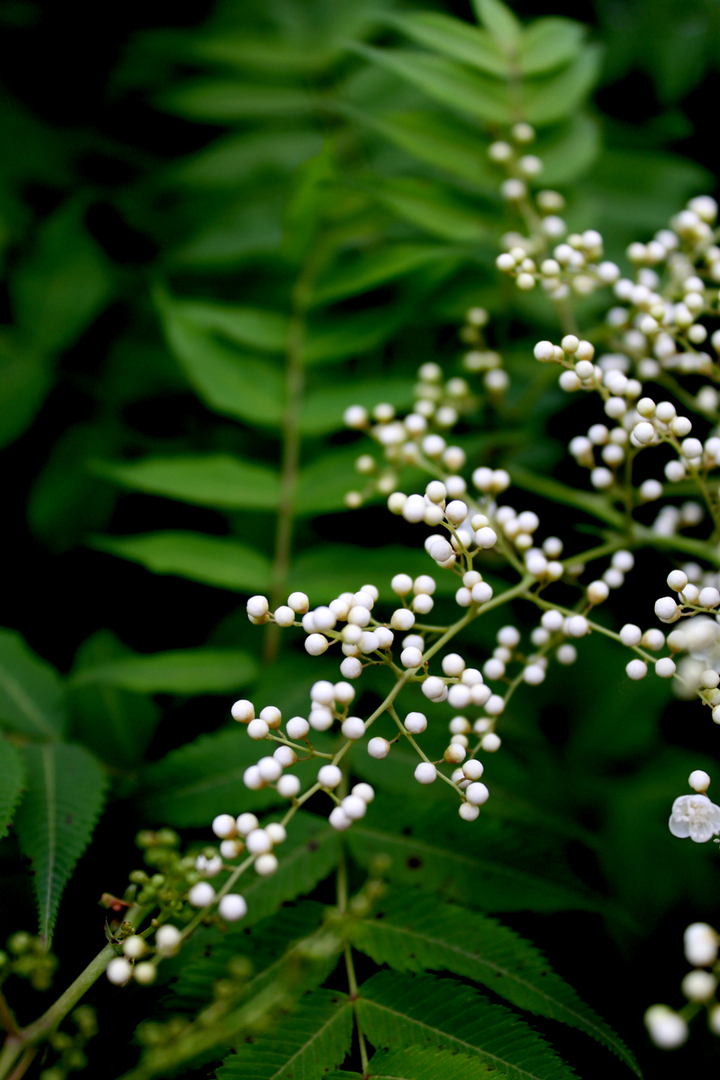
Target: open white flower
x,y
695,816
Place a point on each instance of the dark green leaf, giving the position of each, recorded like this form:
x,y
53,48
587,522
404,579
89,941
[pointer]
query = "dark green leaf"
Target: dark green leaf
x,y
399,1011
456,39
223,100
329,339
115,724
235,159
549,43
180,671
371,269
313,1039
334,568
417,932
440,141
213,560
569,152
12,780
252,327
218,480
65,794
416,1064
447,82
61,286
428,206
245,228
30,690
308,203
25,379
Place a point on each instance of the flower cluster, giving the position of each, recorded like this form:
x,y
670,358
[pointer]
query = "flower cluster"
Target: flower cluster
x,y
667,1028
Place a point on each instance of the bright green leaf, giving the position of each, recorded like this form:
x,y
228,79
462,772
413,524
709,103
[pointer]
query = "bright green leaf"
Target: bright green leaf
x,y
223,100
64,796
500,21
418,932
399,1011
213,560
428,206
467,91
30,690
550,43
12,780
219,480
371,269
323,408
327,339
179,671
568,152
454,38
311,1040
251,327
551,99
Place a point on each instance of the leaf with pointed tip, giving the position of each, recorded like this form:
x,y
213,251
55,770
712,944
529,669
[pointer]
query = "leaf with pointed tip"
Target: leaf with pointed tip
x,y
430,207
224,378
413,1063
217,480
550,43
501,22
397,1011
30,690
177,671
550,99
12,779
371,269
213,560
64,796
228,162
254,328
417,932
327,340
446,81
454,38
441,141
313,1039
223,100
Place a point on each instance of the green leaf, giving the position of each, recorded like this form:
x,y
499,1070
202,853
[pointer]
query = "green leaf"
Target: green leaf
x,y
327,340
201,779
308,203
402,1011
179,671
226,380
307,1044
467,91
12,780
569,152
328,570
371,269
113,723
245,228
64,797
416,931
223,100
30,690
454,38
500,21
441,141
550,43
267,944
228,162
420,1064
551,99
432,208
323,408
217,480
253,327
598,506
64,282
213,560
25,379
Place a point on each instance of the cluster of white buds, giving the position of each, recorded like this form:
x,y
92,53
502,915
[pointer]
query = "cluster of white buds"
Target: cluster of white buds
x,y
668,1028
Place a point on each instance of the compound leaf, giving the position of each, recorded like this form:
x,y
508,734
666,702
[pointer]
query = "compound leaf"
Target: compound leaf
x,y
64,796
30,690
12,778
454,38
217,480
178,671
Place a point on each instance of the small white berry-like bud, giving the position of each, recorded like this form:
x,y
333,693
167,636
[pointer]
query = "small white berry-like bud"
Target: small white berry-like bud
x,y
534,674
425,772
134,947
455,753
351,667
224,826
456,511
276,832
416,722
597,591
364,791
257,606
257,729
552,620
699,781
355,417
329,776
453,665
232,907
630,634
316,644
411,657
666,608
636,669
481,593
265,865
269,769
378,747
434,688
243,711
201,895
353,727
701,944
167,939
477,794
288,786
299,602
490,743
258,842
544,350
402,619
246,823
354,807
666,1028
576,626
699,985
339,820
297,727
119,971
145,973
473,769
709,597
665,667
